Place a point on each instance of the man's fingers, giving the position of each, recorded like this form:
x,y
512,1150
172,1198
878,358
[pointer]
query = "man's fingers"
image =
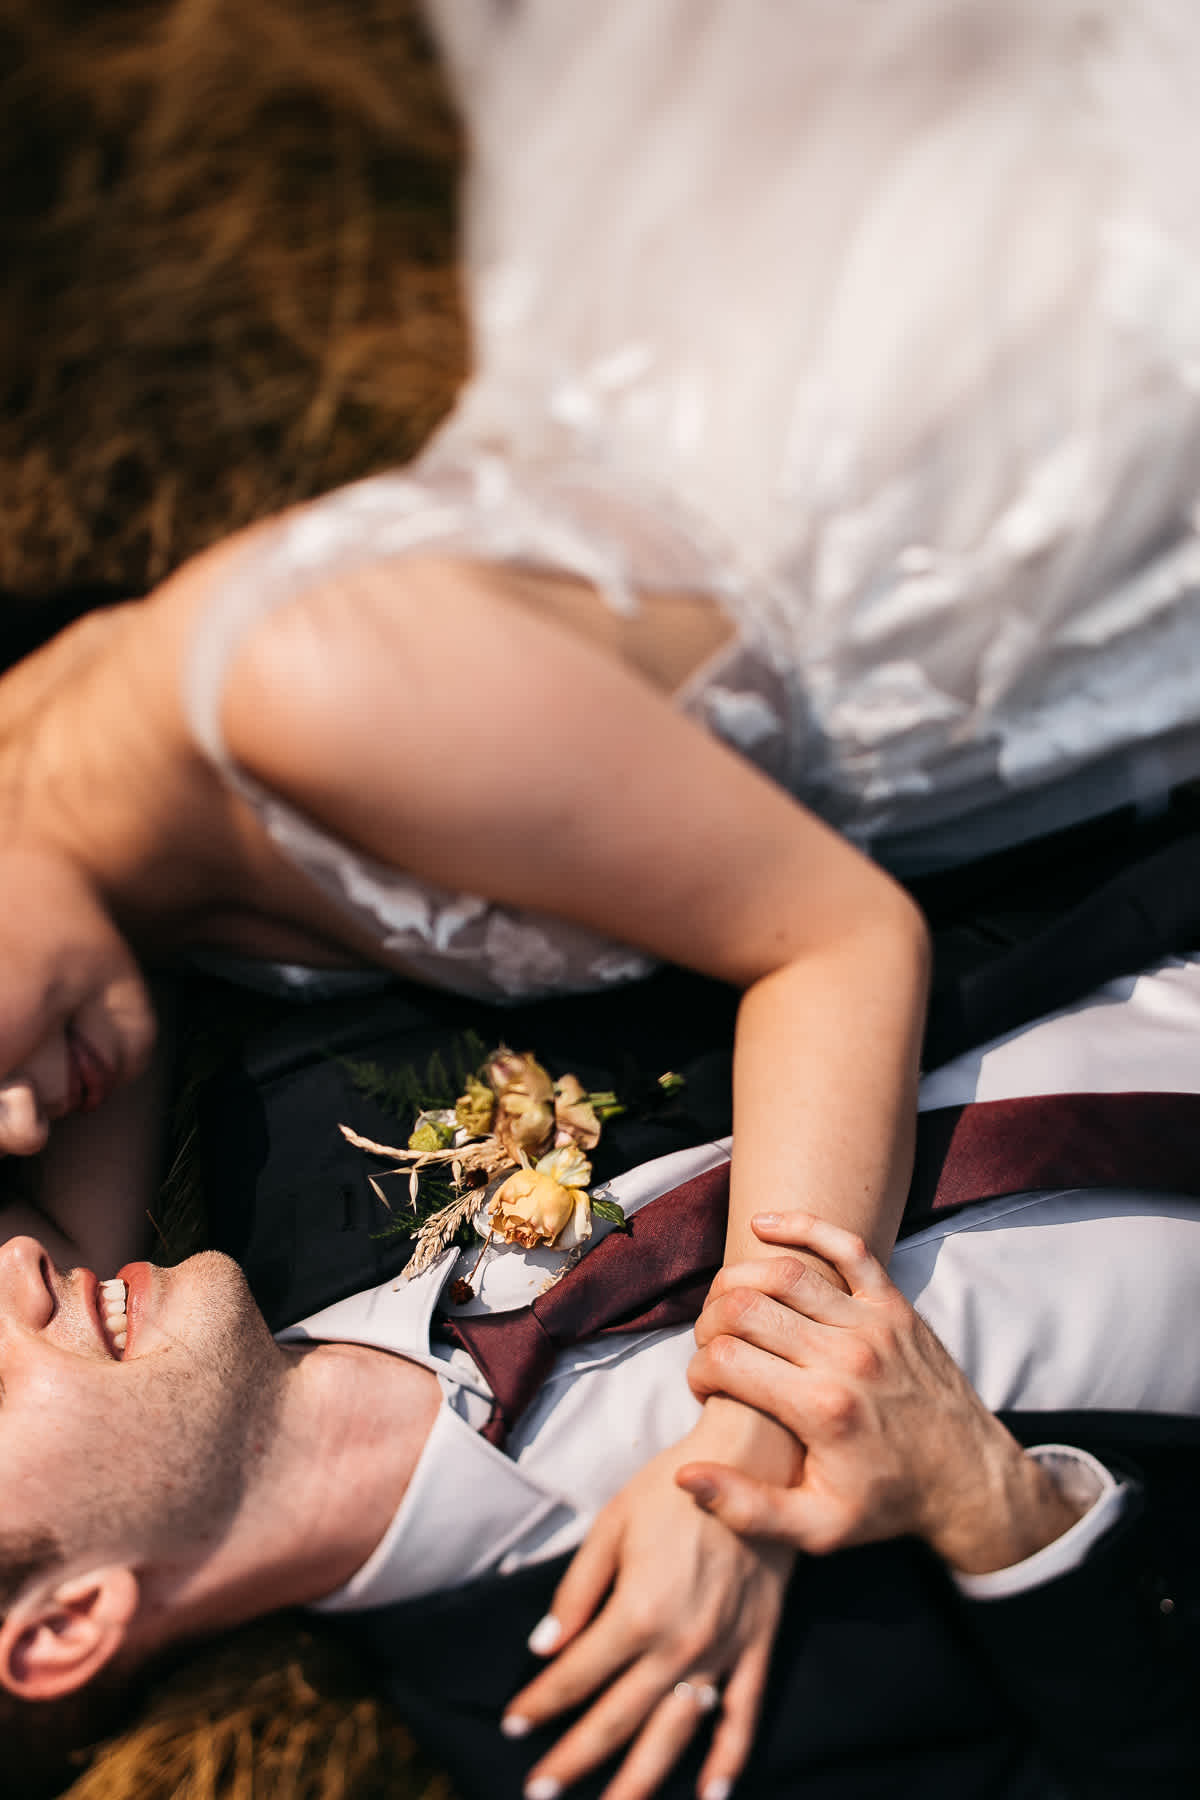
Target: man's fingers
x,y
778,1278
849,1255
780,1312
811,1404
753,1509
800,1517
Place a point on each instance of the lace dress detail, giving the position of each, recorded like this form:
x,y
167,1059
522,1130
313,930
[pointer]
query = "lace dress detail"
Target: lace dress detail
x,y
880,325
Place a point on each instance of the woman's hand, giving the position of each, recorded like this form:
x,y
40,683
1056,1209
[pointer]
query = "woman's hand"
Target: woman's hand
x,y
88,1197
76,1021
687,1628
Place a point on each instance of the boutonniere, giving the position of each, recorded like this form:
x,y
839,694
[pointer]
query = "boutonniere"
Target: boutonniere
x,y
515,1146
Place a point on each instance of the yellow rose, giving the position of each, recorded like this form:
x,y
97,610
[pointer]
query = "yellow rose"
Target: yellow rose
x,y
531,1209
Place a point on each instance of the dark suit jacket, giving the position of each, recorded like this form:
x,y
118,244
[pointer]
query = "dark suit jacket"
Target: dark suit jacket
x,y
885,1682
1014,937
291,1200
1021,933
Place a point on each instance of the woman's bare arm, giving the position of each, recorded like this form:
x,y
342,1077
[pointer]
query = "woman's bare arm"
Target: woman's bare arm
x,y
459,737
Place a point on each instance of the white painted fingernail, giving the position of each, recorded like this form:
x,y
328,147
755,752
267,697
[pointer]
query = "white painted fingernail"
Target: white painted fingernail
x,y
542,1639
719,1788
543,1787
516,1725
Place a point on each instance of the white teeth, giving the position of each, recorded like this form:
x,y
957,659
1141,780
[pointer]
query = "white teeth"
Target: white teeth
x,y
113,1297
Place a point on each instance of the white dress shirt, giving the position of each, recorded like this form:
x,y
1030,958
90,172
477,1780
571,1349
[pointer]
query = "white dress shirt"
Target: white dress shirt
x,y
1055,1301
1048,1301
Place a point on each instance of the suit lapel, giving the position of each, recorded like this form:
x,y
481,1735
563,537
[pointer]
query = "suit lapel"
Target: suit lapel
x,y
292,1202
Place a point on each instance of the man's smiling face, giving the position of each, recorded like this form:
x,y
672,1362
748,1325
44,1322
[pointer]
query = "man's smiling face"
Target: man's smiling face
x,y
136,1452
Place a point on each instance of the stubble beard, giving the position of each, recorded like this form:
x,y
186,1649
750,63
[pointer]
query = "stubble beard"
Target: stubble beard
x,y
210,1412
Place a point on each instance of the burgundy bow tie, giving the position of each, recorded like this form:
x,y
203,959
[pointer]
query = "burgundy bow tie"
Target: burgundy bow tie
x,y
655,1274
659,1272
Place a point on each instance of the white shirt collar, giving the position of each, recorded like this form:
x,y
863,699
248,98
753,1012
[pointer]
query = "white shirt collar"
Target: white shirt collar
x,y
438,1537
467,1504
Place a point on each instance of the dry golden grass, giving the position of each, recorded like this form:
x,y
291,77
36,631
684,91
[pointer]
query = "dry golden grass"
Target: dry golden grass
x,y
273,1713
227,283
227,275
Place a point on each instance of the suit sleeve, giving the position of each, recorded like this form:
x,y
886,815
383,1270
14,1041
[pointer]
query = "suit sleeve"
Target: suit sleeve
x,y
1103,1665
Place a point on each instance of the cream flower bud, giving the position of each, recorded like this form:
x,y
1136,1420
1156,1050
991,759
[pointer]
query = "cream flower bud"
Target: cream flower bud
x,y
574,1117
431,1134
475,1109
523,1125
524,1121
508,1070
567,1165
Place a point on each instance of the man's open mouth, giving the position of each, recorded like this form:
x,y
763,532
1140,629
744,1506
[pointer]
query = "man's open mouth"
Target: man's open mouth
x,y
114,1296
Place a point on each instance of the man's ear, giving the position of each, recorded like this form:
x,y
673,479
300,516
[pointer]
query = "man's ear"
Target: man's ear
x,y
58,1636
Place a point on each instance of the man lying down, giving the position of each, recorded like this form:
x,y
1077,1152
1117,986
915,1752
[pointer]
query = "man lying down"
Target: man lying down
x,y
965,1616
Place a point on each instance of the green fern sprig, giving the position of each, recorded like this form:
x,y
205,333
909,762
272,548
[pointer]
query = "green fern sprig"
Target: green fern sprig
x,y
403,1092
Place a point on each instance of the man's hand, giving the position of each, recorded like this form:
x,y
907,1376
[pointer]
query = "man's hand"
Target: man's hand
x,y
687,1628
897,1441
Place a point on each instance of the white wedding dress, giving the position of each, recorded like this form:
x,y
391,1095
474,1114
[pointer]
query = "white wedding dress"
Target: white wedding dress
x,y
877,322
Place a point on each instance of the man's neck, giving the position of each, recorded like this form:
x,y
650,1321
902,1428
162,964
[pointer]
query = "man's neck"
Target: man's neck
x,y
349,1431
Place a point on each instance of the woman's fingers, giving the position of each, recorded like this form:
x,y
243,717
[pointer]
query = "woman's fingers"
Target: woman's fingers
x,y
618,1714
645,1705
588,1578
849,1255
584,1661
661,1712
733,1738
683,1599
663,1739
23,1125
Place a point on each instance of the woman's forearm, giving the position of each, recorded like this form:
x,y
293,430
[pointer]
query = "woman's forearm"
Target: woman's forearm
x,y
825,1079
825,1074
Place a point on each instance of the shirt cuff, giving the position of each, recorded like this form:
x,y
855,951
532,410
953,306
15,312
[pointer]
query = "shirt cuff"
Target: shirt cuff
x,y
1079,1477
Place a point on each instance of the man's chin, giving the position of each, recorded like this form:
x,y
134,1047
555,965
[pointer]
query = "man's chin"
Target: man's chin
x,y
198,1305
